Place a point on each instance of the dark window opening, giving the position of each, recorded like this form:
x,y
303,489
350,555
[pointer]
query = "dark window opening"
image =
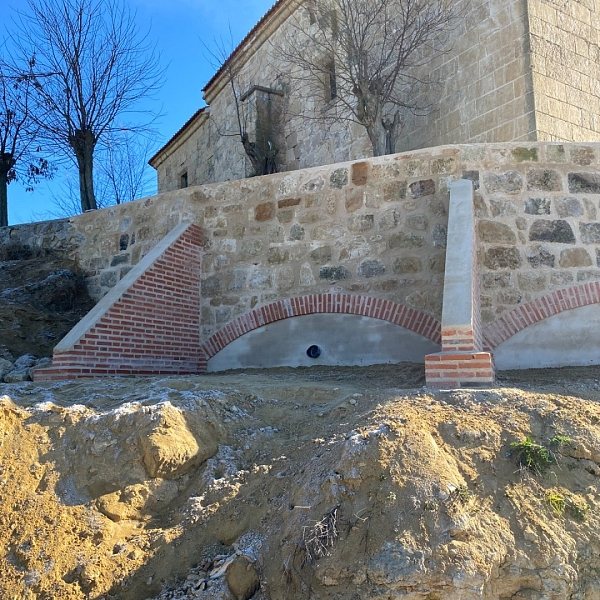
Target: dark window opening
x,y
330,82
183,180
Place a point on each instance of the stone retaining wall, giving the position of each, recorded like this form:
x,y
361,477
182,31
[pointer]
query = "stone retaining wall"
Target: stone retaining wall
x,y
375,228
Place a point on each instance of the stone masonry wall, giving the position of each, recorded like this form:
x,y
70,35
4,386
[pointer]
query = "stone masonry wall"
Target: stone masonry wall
x,y
374,228
538,227
485,91
191,153
565,60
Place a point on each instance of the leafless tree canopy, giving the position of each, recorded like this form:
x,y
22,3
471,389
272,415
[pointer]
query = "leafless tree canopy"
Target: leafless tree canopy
x,y
20,157
89,67
362,56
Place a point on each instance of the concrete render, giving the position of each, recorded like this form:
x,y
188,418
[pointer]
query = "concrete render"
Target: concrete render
x,y
458,280
569,338
343,339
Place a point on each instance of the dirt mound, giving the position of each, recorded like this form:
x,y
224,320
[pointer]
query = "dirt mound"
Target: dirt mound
x,y
42,296
297,484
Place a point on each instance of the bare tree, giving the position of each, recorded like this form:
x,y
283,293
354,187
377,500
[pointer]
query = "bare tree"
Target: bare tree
x,y
366,58
20,157
90,67
122,174
123,171
260,119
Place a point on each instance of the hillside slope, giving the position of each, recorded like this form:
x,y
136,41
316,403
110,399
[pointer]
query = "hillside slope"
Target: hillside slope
x,y
42,296
297,484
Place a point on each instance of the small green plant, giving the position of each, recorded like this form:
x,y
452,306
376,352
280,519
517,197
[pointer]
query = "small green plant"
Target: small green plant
x,y
556,501
562,502
532,456
558,441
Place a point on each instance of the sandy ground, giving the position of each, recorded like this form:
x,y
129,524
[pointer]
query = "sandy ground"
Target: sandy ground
x,y
300,483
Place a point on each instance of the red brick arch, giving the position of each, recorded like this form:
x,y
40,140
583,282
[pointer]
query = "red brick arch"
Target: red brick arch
x,y
348,304
538,310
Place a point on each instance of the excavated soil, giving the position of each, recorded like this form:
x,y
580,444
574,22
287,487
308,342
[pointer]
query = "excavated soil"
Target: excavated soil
x,y
341,483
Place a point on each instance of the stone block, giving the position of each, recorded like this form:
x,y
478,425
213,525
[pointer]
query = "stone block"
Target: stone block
x,y
589,275
410,264
521,154
322,255
334,273
307,278
556,153
417,222
508,297
582,155
557,232
395,190
584,183
568,207
278,255
360,223
538,256
388,219
109,279
510,182
339,178
314,185
502,257
439,235
441,166
545,180
371,268
501,207
264,211
250,248
119,259
285,216
354,200
297,232
532,282
417,168
537,206
360,173
425,187
575,257
561,278
211,286
590,233
285,279
437,264
260,279
405,240
357,248
590,209
493,232
288,202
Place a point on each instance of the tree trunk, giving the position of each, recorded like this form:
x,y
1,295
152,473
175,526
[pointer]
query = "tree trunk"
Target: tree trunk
x,y
3,197
6,164
252,154
378,136
391,127
83,143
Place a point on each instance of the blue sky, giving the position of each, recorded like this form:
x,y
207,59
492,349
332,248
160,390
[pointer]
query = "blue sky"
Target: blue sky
x,y
180,28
